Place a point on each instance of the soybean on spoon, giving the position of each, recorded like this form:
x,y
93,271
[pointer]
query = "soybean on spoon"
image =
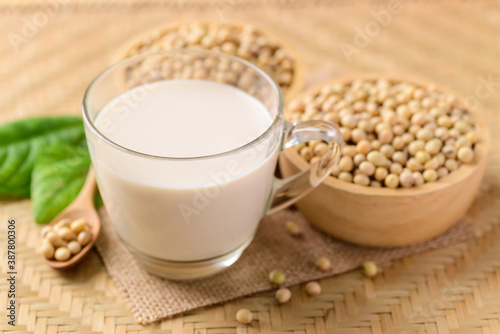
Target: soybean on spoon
x,y
81,207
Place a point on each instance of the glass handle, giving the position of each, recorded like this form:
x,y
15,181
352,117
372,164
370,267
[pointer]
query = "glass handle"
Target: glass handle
x,y
287,191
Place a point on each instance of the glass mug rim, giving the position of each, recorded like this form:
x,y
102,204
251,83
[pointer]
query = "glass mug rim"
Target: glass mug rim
x,y
91,123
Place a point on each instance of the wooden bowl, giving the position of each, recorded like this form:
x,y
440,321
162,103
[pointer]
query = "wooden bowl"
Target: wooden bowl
x,y
383,217
150,41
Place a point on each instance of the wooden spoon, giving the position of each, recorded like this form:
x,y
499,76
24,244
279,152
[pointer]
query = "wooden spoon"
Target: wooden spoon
x,y
81,207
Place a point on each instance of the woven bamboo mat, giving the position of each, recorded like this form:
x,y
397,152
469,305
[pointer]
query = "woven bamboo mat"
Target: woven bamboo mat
x,y
457,44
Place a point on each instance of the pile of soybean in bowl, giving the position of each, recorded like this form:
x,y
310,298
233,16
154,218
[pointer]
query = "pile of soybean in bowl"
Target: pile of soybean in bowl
x,y
396,133
245,41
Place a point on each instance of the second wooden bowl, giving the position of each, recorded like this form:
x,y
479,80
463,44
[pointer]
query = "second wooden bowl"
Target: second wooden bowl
x,y
192,34
383,217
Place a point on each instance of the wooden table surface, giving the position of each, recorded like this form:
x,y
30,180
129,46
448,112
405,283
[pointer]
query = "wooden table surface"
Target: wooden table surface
x,y
50,51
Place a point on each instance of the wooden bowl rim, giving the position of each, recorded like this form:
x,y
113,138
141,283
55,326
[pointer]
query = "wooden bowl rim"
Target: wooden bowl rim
x,y
298,79
463,172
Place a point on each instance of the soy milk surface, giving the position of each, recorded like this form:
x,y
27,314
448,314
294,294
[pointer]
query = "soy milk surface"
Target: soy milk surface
x,y
193,208
185,118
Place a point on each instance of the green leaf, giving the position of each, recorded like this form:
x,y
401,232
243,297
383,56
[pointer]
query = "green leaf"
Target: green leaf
x,y
21,142
98,199
58,176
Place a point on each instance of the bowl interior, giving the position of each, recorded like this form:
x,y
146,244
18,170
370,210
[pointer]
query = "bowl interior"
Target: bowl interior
x,y
481,149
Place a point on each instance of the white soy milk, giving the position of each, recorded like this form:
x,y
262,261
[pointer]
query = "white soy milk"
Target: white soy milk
x,y
185,209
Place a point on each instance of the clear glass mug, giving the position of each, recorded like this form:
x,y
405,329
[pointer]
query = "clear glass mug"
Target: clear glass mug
x,y
198,224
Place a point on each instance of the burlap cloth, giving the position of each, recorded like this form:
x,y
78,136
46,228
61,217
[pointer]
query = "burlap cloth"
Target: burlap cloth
x,y
151,298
